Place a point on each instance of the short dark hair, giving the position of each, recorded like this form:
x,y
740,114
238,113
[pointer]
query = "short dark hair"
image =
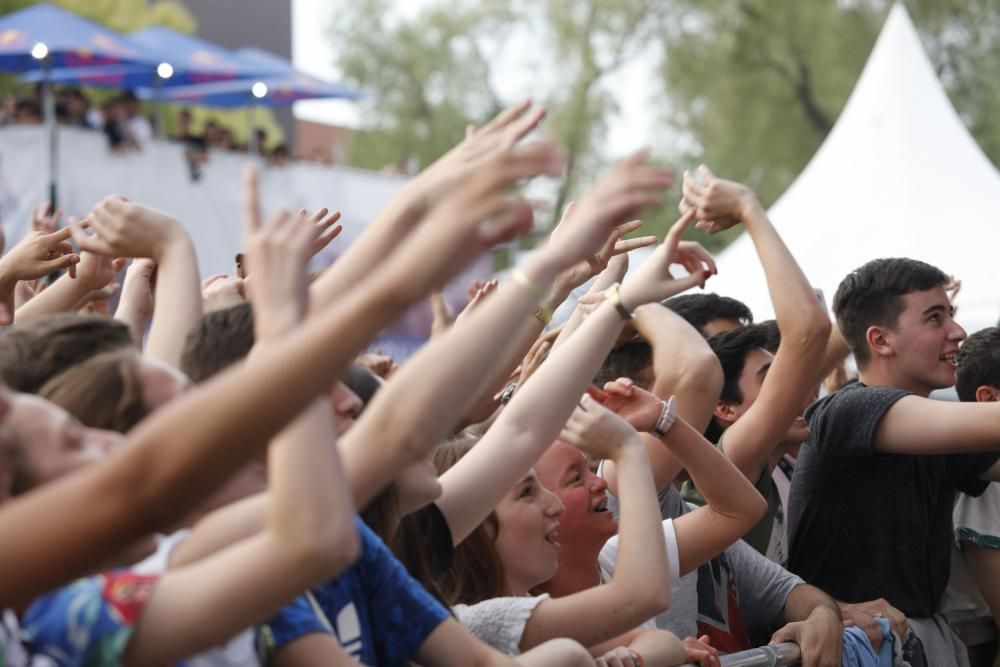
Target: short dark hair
x,y
632,360
32,355
978,363
873,296
362,382
221,338
732,348
700,309
770,327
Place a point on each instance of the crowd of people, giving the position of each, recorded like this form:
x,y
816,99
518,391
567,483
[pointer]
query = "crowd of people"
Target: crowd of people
x,y
220,472
128,128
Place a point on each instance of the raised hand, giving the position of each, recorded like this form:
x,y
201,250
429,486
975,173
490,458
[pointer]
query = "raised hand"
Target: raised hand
x,y
327,227
653,280
480,144
278,253
37,255
44,220
635,405
614,247
96,271
123,228
603,215
718,204
220,291
473,216
482,292
597,431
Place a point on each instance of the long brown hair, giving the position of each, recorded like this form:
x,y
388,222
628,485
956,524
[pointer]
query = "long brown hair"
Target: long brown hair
x,y
476,573
104,391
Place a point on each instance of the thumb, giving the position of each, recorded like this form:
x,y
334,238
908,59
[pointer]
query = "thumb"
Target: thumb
x,y
789,633
61,262
696,279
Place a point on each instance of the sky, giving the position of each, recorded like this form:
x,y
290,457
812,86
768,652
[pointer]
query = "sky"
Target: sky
x,y
514,78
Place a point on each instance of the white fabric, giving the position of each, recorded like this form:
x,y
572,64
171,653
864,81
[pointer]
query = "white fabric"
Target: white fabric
x,y
158,176
500,621
980,514
157,562
898,176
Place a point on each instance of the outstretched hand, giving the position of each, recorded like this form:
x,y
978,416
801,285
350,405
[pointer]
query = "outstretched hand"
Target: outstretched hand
x,y
591,229
480,145
718,204
598,432
123,228
653,280
278,252
474,215
38,254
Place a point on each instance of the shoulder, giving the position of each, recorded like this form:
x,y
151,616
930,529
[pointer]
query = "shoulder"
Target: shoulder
x,y
499,622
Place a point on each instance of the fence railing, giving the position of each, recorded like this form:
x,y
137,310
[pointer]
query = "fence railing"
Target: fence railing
x,y
773,655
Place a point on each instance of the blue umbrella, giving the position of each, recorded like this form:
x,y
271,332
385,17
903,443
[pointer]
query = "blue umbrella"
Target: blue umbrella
x,y
180,60
275,83
43,37
62,39
280,85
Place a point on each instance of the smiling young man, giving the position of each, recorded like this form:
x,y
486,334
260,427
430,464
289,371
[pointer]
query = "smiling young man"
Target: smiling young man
x,y
871,499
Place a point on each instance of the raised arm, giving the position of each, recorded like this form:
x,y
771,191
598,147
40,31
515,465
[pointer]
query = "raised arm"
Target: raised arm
x,y
917,425
37,255
309,535
532,420
804,325
123,228
640,587
408,209
217,427
734,507
684,366
93,272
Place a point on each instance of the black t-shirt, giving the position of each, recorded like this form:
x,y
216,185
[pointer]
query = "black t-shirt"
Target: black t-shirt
x,y
864,525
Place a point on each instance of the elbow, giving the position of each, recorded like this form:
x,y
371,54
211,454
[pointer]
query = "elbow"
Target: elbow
x,y
702,374
324,554
756,510
651,599
814,333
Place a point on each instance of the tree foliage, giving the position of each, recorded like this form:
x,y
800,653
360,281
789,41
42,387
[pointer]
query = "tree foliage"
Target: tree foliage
x,y
751,87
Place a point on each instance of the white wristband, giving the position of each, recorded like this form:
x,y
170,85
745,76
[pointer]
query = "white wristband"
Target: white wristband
x,y
668,415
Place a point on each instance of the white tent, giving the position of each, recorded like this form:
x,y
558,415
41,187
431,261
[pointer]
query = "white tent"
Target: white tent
x,y
898,176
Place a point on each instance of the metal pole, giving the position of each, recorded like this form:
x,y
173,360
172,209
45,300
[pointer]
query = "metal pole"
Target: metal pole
x,y
252,146
49,105
158,107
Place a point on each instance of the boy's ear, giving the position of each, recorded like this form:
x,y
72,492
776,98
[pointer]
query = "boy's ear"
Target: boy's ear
x,y
987,394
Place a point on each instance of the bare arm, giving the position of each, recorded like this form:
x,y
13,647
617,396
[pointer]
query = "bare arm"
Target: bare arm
x,y
532,420
224,423
917,425
734,507
93,272
804,325
684,366
406,210
640,588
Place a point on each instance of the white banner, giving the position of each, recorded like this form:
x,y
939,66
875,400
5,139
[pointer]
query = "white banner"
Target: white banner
x,y
210,207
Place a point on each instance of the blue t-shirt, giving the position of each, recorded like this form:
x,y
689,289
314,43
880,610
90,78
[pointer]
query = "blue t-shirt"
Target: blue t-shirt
x,y
376,610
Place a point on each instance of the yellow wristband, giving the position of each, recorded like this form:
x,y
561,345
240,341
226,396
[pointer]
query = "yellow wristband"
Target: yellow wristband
x,y
521,277
543,314
613,295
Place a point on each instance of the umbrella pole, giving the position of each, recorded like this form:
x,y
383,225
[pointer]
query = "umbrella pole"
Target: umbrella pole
x,y
252,146
49,105
158,107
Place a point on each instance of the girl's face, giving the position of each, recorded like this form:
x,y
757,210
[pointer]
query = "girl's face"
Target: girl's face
x,y
527,539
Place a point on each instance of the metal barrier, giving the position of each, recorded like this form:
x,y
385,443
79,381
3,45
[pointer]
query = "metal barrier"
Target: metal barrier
x,y
773,655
